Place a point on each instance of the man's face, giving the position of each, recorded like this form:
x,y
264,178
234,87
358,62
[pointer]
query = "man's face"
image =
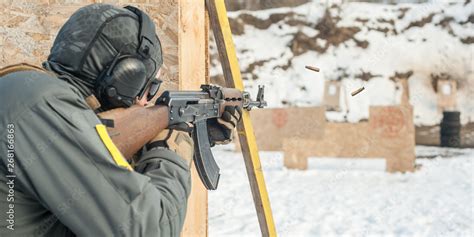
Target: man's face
x,y
144,100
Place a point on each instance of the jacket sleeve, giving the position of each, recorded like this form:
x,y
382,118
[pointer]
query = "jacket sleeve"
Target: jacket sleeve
x,y
65,164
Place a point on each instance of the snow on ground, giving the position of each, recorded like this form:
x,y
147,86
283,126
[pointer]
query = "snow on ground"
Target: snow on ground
x,y
436,200
362,44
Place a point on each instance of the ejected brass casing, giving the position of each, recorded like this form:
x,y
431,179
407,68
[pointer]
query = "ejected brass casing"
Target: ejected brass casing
x,y
354,93
312,68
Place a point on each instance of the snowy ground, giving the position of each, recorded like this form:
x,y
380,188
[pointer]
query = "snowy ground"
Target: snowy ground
x,y
349,199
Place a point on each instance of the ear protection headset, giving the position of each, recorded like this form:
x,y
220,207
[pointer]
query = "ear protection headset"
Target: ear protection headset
x,y
126,77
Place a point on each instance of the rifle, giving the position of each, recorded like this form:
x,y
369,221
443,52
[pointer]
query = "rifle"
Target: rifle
x,y
136,126
196,107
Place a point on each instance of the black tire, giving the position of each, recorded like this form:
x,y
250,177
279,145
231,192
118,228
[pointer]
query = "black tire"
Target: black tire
x,y
450,141
451,116
449,132
450,125
443,127
450,129
451,121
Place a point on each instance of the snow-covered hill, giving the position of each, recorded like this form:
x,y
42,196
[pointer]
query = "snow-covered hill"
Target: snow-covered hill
x,y
360,44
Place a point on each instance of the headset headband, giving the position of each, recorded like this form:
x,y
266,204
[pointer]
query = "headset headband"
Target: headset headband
x,y
145,34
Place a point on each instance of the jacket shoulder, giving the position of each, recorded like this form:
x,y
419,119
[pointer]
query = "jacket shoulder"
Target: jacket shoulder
x,y
30,83
23,89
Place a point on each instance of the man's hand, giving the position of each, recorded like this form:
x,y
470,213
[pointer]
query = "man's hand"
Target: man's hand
x,y
221,129
177,141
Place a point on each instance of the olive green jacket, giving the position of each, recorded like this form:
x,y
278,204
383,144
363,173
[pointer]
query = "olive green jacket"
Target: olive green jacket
x,y
58,178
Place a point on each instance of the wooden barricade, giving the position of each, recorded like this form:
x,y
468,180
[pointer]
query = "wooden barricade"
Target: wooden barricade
x,y
304,132
29,29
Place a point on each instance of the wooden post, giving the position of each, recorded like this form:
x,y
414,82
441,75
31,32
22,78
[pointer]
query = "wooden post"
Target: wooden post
x,y
192,48
230,65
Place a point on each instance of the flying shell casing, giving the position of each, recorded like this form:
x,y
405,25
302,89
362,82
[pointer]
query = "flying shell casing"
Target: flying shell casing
x,y
315,69
354,93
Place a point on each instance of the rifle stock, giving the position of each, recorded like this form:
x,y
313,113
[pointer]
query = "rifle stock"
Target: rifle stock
x,y
134,127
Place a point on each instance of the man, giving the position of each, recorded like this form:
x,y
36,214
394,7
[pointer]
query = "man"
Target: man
x,y
60,172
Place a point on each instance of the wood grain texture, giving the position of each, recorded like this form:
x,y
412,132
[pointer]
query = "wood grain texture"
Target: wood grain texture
x,y
192,53
28,29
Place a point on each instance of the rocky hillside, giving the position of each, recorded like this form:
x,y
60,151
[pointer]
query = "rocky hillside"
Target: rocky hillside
x,y
234,5
360,44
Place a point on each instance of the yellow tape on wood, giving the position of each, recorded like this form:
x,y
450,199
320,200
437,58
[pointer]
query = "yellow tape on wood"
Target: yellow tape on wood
x,y
223,35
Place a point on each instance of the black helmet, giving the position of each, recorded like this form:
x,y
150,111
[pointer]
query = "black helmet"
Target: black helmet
x,y
107,51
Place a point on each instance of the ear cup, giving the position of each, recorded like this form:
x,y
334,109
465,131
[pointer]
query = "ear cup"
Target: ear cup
x,y
123,83
129,77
